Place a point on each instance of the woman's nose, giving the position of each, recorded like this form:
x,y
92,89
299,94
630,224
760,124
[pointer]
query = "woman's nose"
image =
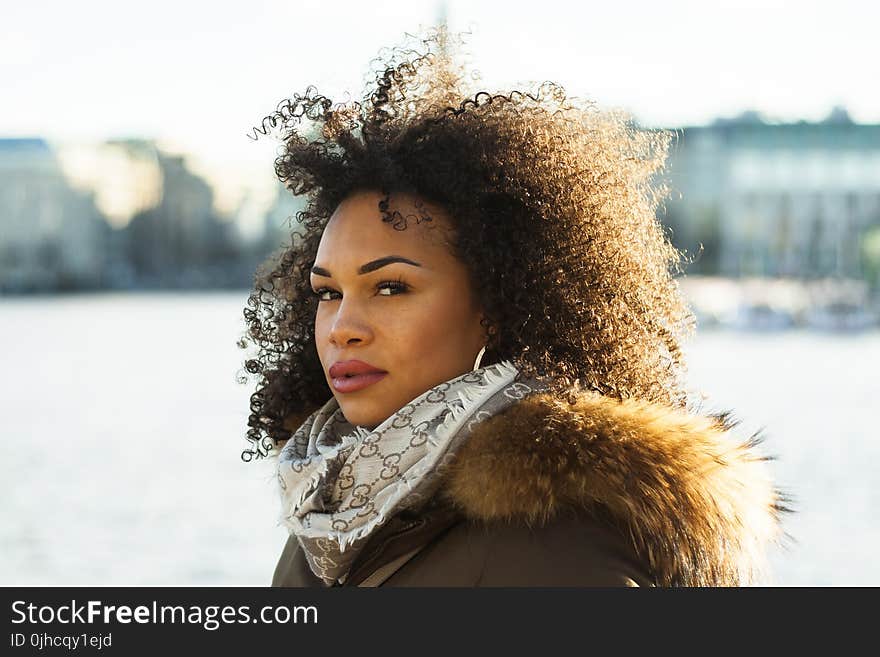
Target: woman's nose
x,y
349,327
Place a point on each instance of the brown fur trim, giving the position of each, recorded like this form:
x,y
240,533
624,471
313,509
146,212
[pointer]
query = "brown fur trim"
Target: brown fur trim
x,y
697,505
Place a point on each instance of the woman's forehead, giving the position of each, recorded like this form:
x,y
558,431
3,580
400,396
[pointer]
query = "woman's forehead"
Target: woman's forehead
x,y
356,229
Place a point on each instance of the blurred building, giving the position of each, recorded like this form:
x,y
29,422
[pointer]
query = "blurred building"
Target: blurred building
x,y
768,199
118,214
52,236
176,242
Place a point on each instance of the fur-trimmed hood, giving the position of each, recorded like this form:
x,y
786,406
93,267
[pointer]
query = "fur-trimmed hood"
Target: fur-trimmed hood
x,y
696,502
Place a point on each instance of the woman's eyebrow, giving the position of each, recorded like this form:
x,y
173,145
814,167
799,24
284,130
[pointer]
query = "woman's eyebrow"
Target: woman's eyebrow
x,y
373,265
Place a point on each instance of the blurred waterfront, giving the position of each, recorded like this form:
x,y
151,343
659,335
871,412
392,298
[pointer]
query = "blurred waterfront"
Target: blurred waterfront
x,y
122,413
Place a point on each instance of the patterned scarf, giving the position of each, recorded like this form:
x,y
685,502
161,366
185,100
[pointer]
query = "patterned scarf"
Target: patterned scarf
x,y
340,482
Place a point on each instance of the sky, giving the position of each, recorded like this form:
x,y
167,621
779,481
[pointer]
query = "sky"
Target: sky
x,y
197,76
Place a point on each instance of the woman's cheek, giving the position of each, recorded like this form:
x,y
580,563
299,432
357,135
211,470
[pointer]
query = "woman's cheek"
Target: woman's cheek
x,y
323,324
433,333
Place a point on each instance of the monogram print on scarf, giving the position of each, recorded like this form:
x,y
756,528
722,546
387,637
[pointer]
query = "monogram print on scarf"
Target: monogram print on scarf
x,y
518,391
359,496
391,468
346,479
438,394
420,433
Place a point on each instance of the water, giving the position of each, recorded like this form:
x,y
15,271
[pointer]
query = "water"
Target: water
x,y
123,424
814,395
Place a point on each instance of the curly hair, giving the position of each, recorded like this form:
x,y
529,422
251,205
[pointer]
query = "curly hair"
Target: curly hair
x,y
554,206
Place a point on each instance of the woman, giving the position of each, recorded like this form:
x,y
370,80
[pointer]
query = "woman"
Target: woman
x,y
469,363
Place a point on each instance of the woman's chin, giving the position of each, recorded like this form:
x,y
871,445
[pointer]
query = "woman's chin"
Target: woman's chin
x,y
363,417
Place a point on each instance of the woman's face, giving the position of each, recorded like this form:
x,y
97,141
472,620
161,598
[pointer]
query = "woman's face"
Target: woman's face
x,y
396,312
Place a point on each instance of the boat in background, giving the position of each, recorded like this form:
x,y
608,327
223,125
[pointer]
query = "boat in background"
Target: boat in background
x,y
763,304
841,316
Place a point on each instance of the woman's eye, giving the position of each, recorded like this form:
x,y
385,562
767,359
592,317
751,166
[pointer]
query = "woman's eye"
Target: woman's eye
x,y
325,294
389,288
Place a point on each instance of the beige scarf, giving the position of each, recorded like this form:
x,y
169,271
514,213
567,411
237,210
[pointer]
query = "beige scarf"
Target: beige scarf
x,y
340,482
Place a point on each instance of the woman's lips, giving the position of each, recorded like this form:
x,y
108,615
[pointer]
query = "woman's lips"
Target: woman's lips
x,y
356,382
353,375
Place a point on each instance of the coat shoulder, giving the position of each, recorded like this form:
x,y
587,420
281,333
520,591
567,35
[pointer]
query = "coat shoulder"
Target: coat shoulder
x,y
573,550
